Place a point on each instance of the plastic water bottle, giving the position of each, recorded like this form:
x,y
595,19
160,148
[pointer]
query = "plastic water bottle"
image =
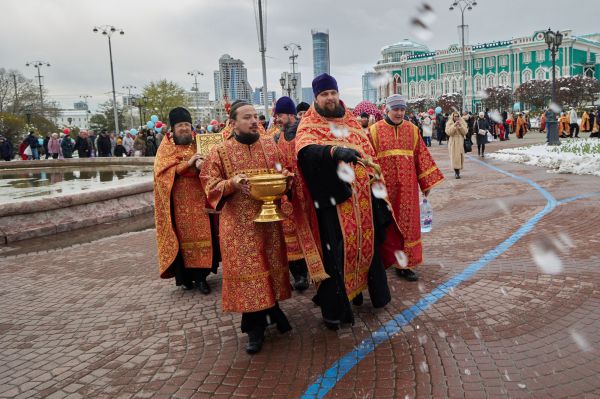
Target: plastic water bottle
x,y
426,216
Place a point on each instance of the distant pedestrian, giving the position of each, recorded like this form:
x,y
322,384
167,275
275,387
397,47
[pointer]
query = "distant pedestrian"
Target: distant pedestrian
x,y
120,150
6,150
103,145
481,128
573,125
427,126
66,146
456,129
53,146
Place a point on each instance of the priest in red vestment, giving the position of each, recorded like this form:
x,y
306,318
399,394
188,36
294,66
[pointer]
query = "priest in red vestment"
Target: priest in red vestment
x,y
407,168
255,269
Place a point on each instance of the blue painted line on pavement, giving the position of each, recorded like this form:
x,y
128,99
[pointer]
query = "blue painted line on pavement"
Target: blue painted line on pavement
x,y
578,197
324,383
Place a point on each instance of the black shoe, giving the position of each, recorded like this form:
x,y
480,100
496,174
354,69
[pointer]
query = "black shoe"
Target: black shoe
x,y
279,318
358,300
301,283
203,287
187,286
331,325
407,274
457,176
255,341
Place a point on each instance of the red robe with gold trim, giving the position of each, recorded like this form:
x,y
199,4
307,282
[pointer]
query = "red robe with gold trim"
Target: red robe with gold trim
x,y
255,268
407,166
355,214
182,223
294,250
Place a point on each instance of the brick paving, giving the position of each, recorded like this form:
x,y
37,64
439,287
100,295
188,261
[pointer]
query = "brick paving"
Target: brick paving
x,y
94,321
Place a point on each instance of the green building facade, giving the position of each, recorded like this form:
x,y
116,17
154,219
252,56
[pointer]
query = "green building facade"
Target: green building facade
x,y
417,72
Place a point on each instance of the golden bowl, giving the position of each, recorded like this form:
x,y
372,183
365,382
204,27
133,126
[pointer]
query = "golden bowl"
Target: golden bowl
x,y
268,188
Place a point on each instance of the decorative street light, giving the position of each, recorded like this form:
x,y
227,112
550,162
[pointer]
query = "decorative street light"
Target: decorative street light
x,y
463,5
108,30
553,40
288,85
195,73
293,47
141,102
129,98
38,65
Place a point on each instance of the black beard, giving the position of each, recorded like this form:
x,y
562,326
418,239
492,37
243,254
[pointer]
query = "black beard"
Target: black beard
x,y
339,111
246,138
185,140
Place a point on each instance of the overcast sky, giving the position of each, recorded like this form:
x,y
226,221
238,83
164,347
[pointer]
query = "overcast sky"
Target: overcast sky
x,y
166,39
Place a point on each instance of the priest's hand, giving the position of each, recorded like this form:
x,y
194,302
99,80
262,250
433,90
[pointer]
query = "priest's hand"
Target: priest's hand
x,y
241,183
199,162
347,155
287,173
193,160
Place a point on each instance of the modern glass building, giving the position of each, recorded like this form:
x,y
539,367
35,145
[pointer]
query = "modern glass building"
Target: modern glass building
x,y
417,72
369,87
232,80
320,52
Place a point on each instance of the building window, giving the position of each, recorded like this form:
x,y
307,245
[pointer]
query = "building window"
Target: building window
x,y
421,70
491,81
432,69
503,60
526,58
412,71
478,63
478,83
540,74
457,66
432,89
503,79
540,55
412,90
491,62
526,77
422,89
454,86
397,84
446,87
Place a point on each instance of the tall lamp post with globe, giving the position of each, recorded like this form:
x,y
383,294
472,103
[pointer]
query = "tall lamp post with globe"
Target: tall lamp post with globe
x,y
553,40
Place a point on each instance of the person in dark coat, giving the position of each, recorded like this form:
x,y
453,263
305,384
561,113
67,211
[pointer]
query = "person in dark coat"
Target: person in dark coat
x,y
440,126
6,150
104,145
481,127
120,151
46,140
33,143
66,146
83,145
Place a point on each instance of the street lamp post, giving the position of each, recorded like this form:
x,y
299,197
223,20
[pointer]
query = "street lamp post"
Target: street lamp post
x,y
262,48
553,40
128,88
108,30
293,47
195,73
463,5
38,65
87,110
288,85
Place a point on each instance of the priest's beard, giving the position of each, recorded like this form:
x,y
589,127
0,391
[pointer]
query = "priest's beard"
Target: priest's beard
x,y
184,139
338,112
247,137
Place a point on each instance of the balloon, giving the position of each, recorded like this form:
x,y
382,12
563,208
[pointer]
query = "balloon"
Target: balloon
x,y
517,107
157,129
154,118
209,128
133,132
66,130
150,124
214,122
158,124
431,111
508,121
438,110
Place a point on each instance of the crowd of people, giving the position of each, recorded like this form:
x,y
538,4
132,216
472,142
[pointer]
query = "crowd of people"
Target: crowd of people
x,y
351,207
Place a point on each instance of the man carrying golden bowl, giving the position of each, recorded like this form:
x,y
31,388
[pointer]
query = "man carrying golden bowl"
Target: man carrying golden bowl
x,y
255,271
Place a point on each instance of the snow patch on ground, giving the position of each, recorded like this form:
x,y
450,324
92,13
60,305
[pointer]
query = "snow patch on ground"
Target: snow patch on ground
x,y
578,156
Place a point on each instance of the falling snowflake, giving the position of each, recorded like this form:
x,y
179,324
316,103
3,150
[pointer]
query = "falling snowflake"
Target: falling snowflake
x,y
278,167
442,333
423,367
379,190
317,204
522,386
422,339
555,107
339,131
506,376
332,200
496,116
402,259
580,341
345,172
467,372
503,291
421,24
422,288
546,258
328,247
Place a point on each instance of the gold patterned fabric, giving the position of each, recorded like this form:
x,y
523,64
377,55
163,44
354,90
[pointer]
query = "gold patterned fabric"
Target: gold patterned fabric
x,y
407,166
255,269
179,210
355,215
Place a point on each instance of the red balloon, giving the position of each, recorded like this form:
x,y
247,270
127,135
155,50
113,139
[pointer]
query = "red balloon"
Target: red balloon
x,y
158,124
66,131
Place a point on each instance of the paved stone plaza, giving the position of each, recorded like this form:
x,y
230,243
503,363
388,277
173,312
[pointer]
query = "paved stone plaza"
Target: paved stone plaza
x,y
95,321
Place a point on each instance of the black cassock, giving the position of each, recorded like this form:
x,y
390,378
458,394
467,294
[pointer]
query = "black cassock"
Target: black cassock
x,y
320,174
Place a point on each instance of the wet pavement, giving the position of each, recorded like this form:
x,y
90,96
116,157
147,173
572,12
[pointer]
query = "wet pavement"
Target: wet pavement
x,y
94,319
